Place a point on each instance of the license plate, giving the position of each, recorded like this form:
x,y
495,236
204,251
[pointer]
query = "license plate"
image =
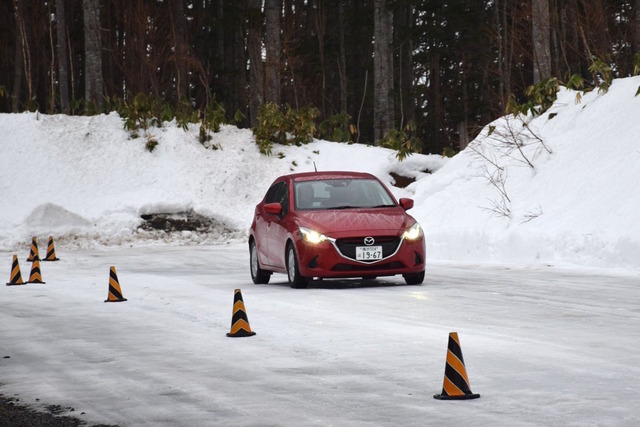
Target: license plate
x,y
368,253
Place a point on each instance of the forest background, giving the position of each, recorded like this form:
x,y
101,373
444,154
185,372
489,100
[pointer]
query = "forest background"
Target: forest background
x,y
412,75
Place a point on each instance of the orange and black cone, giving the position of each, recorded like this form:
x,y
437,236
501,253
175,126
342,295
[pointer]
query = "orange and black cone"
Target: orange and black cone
x,y
33,254
51,251
239,321
456,383
115,294
16,277
36,275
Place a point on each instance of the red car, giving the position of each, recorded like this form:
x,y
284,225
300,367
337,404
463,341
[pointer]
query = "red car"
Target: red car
x,y
334,225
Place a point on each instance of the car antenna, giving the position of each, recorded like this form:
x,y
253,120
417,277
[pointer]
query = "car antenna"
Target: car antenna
x,y
314,166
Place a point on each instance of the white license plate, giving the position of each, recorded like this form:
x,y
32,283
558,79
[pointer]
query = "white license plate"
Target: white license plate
x,y
368,253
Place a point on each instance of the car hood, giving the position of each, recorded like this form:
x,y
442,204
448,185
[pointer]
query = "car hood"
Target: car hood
x,y
346,222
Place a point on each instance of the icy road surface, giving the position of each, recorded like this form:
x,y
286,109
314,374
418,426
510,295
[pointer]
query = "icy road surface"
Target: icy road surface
x,y
542,346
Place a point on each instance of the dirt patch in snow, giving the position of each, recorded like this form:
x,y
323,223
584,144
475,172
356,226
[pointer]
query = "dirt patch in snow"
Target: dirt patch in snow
x,y
182,221
14,413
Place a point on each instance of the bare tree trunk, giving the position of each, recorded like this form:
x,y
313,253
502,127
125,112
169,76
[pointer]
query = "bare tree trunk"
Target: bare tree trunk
x,y
254,46
500,38
463,126
541,40
390,76
382,70
636,26
436,99
219,51
509,37
273,12
320,16
93,90
554,30
180,46
342,61
52,72
17,75
235,59
23,47
403,17
72,84
63,60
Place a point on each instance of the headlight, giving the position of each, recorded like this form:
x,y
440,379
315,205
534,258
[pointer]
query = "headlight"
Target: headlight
x,y
413,233
312,236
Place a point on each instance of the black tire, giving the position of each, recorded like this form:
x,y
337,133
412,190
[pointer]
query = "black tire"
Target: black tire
x,y
258,275
414,279
293,273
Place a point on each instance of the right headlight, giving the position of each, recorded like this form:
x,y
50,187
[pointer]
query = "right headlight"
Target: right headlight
x,y
413,233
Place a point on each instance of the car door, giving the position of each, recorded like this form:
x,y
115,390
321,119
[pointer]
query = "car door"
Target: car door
x,y
263,226
278,230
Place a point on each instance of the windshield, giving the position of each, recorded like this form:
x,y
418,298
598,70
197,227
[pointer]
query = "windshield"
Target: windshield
x,y
341,194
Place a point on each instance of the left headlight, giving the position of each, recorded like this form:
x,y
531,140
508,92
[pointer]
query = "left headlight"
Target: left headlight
x,y
413,233
311,236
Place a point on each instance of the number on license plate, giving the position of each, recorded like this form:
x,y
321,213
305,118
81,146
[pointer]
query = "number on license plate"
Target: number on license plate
x,y
368,253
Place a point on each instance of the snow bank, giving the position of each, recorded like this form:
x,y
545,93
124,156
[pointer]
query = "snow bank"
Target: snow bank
x,y
579,202
86,181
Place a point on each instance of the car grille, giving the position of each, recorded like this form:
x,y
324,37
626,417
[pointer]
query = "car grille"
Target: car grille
x,y
347,246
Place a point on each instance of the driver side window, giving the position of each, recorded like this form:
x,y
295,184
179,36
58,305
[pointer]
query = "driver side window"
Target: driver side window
x,y
279,193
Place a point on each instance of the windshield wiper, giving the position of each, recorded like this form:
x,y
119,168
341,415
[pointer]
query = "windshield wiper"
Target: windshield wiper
x,y
362,207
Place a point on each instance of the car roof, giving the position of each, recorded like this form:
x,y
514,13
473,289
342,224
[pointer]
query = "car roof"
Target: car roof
x,y
313,176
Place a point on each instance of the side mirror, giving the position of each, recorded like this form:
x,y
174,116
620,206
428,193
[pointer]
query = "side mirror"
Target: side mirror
x,y
273,208
406,203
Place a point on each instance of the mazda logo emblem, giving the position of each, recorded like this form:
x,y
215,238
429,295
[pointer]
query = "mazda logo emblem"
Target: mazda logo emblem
x,y
369,241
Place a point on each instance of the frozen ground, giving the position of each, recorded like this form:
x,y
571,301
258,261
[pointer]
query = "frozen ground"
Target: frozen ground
x,y
542,345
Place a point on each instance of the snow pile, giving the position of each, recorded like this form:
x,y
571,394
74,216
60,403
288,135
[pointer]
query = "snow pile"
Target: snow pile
x,y
86,181
579,202
562,190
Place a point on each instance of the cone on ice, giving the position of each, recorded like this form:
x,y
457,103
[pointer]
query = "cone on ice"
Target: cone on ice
x,y
456,382
115,294
36,275
16,276
33,253
51,251
239,321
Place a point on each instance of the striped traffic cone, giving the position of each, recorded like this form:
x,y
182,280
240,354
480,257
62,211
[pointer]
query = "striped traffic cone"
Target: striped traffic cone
x,y
115,294
16,277
239,321
33,254
456,383
35,276
51,251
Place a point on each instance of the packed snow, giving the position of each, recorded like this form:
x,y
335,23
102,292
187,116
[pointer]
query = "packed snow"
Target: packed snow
x,y
514,227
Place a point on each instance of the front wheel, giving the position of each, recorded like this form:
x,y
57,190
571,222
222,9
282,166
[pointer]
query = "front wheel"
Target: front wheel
x,y
258,275
414,279
295,280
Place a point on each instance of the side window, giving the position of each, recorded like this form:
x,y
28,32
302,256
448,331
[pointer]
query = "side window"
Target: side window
x,y
282,197
271,193
279,193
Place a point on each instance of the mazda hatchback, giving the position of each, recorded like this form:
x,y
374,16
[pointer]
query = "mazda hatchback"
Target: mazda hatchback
x,y
334,225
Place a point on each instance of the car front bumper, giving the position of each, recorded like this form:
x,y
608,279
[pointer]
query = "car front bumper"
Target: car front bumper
x,y
334,259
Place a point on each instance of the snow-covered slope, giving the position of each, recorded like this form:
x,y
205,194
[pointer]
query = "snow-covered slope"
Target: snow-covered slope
x,y
579,203
85,181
